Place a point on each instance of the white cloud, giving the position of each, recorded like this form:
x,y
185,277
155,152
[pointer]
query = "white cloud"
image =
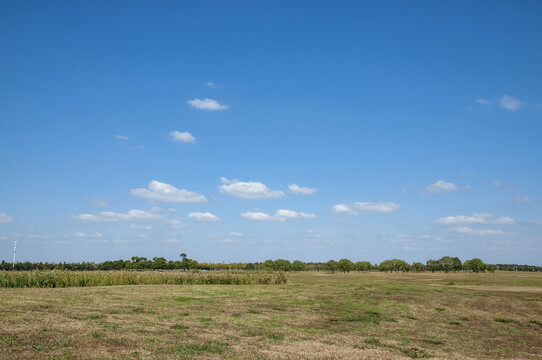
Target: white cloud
x,y
539,222
122,137
83,235
522,200
482,232
212,85
3,237
482,101
206,216
141,236
510,103
256,216
132,215
5,218
61,242
173,241
498,183
158,191
227,241
248,190
141,227
207,104
353,208
184,137
99,202
236,234
343,209
474,219
280,215
120,241
296,189
440,186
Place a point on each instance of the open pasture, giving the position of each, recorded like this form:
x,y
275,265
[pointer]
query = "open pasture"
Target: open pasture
x,y
312,316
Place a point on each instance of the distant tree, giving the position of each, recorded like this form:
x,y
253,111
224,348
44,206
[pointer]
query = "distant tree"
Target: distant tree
x,y
475,265
269,265
283,265
346,265
363,266
457,264
417,267
298,265
445,264
331,265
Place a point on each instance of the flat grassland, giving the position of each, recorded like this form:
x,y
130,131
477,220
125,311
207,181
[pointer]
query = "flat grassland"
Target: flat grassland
x,y
312,316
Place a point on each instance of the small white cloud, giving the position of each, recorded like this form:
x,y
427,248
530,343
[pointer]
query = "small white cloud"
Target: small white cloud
x,y
482,101
99,202
83,235
510,103
353,208
522,200
3,237
184,137
212,85
227,241
474,219
248,190
141,227
122,137
5,218
343,209
206,216
482,232
280,215
173,241
141,236
256,216
296,189
235,234
440,186
207,104
120,241
163,192
61,242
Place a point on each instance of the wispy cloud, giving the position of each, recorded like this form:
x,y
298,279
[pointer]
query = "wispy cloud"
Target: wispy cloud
x,y
212,85
122,137
206,216
510,103
5,218
248,190
296,189
355,207
83,235
280,215
207,104
481,232
132,215
184,137
440,186
483,101
158,191
522,200
483,218
99,202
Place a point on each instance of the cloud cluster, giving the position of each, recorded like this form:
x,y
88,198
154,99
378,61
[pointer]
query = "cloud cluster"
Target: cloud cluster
x,y
280,215
248,190
184,137
480,232
510,103
296,189
207,104
355,207
163,192
440,186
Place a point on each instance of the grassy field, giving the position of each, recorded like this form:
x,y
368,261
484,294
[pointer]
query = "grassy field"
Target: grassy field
x,y
312,316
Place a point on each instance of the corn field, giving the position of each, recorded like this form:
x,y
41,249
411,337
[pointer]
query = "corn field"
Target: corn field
x,y
61,279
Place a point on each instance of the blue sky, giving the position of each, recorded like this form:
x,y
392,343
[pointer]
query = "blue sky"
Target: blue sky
x,y
243,130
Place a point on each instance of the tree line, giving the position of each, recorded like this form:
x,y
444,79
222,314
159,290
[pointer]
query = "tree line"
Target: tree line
x,y
445,264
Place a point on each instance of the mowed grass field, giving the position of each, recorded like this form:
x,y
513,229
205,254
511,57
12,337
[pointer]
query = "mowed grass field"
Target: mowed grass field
x,y
312,316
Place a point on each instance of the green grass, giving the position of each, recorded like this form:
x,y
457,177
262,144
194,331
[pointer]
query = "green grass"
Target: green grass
x,y
312,316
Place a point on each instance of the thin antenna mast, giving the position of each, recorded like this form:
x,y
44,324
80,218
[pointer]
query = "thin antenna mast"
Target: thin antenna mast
x,y
14,252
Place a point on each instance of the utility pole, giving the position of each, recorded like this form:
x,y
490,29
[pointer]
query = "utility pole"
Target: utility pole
x,y
14,252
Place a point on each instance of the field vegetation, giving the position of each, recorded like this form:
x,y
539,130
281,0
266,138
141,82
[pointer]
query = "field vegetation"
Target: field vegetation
x,y
314,315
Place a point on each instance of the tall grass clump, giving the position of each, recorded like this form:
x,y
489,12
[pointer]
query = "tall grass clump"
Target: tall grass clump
x,y
61,279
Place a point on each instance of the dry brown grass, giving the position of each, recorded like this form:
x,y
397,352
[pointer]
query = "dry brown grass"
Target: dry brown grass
x,y
314,316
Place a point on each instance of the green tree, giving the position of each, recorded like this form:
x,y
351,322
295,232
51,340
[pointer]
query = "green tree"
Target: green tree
x,y
298,265
346,265
331,265
475,265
